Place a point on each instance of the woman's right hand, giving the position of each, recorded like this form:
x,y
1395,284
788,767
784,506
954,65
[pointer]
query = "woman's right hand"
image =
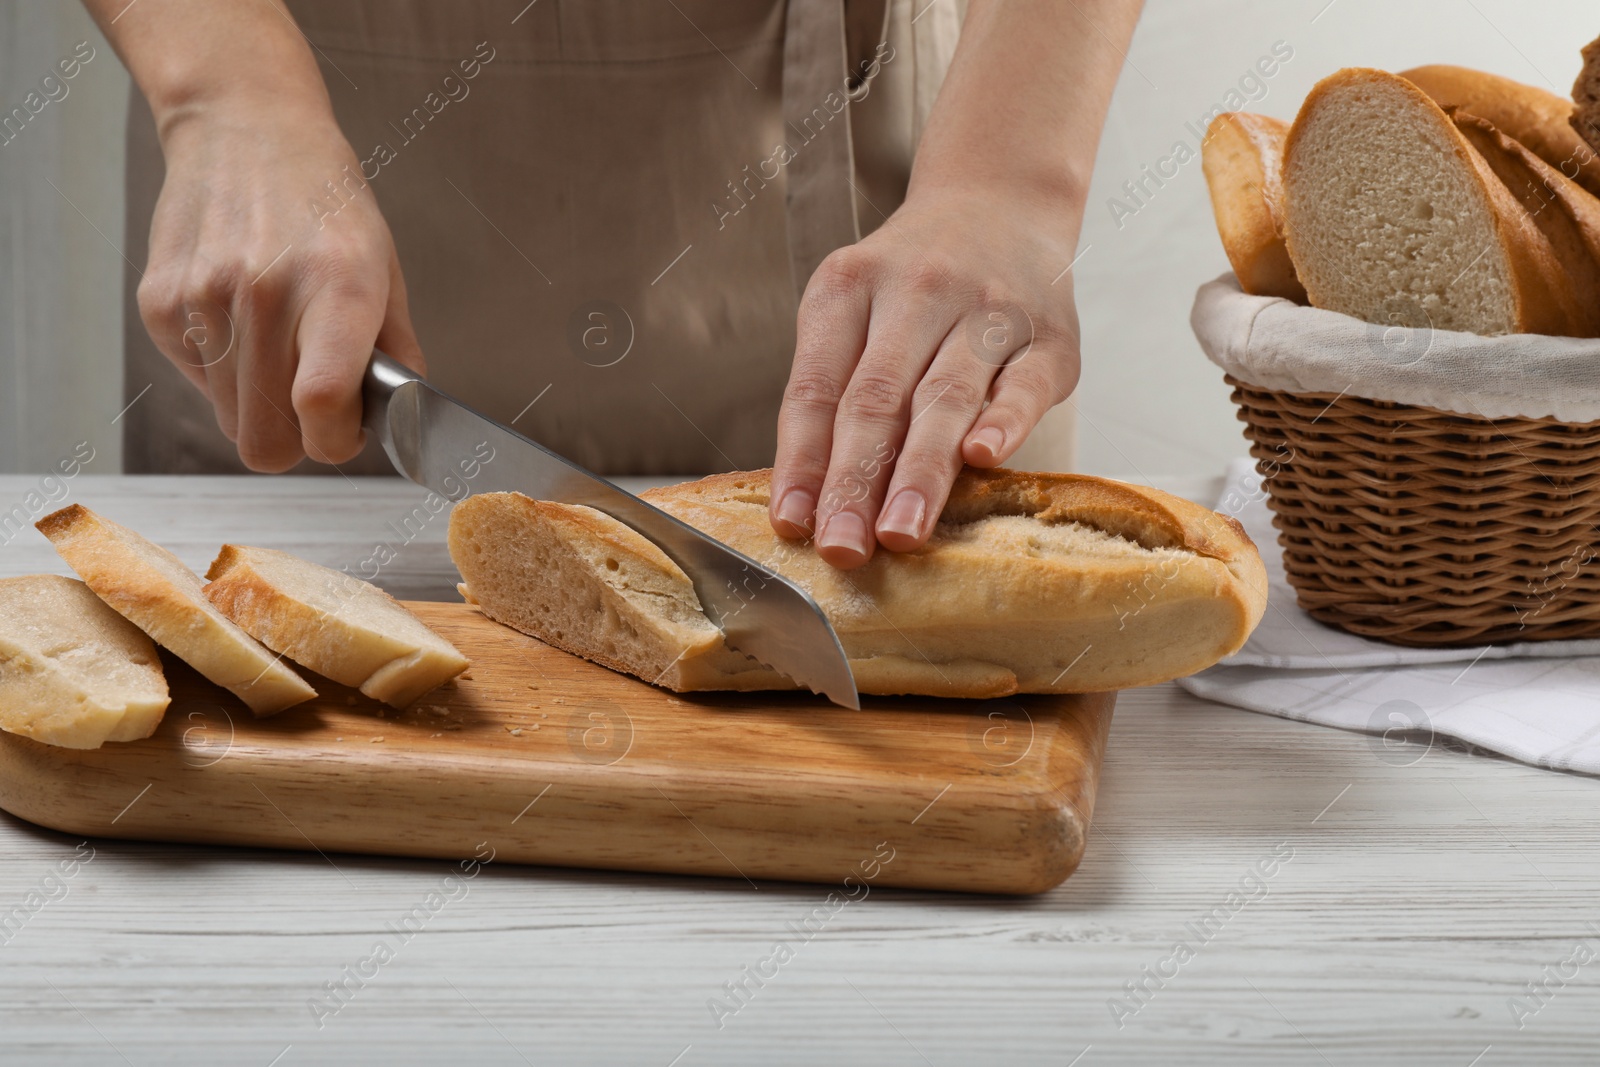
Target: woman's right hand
x,y
272,276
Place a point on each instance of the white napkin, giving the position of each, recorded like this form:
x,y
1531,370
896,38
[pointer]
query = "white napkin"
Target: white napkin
x,y
1535,701
1277,344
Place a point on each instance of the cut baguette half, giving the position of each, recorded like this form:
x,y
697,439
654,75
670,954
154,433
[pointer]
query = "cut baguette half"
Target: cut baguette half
x,y
1037,583
1563,210
1242,157
1585,118
335,624
1536,117
74,673
155,591
1392,217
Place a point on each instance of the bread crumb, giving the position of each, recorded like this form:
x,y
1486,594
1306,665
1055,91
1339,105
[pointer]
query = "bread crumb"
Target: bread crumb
x,y
532,686
435,709
338,739
518,732
534,726
465,676
376,740
436,735
559,700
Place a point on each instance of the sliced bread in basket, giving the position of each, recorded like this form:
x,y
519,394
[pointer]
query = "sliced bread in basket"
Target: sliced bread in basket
x,y
1392,216
1242,157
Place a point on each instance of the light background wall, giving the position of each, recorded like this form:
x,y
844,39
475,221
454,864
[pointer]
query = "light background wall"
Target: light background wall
x,y
1150,406
60,268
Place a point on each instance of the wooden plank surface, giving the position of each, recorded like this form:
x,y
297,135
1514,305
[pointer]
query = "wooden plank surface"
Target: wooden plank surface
x,y
1426,890
541,757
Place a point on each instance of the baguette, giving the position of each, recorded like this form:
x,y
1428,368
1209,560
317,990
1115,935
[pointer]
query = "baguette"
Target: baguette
x,y
73,672
1563,210
1543,121
334,624
1391,216
1242,157
1035,583
155,591
1585,117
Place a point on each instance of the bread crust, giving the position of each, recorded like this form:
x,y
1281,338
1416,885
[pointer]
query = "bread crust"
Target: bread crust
x,y
1543,297
152,588
1242,157
332,623
1540,119
1565,212
1031,583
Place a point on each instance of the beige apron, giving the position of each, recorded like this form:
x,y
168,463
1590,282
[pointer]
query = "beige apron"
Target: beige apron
x,y
605,228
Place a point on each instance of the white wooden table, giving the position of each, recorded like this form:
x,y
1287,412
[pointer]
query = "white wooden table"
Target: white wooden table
x,y
1420,901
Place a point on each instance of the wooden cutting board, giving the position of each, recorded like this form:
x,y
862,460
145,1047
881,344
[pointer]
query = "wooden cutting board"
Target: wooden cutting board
x,y
537,756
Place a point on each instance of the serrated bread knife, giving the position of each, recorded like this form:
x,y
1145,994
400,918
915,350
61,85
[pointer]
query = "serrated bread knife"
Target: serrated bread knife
x,y
434,439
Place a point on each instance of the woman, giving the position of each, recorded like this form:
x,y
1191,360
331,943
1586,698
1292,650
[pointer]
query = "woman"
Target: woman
x,y
655,236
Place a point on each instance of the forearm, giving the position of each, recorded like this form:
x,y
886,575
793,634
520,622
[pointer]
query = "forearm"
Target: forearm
x,y
1026,97
191,58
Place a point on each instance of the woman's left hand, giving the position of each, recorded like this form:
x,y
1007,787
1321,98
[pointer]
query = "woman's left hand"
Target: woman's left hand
x,y
941,338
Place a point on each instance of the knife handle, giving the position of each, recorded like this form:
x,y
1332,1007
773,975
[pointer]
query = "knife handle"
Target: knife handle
x,y
384,377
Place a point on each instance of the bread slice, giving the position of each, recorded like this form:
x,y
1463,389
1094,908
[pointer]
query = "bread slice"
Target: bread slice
x,y
1585,117
1392,217
155,591
335,624
1563,210
1037,583
1537,117
1242,157
73,672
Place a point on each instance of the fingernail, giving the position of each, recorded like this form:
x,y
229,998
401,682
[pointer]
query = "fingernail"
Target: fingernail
x,y
904,515
796,507
845,530
991,439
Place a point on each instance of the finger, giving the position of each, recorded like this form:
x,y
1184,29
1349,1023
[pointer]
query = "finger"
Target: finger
x,y
1023,392
335,339
397,338
268,433
830,332
161,303
222,386
871,425
943,407
212,327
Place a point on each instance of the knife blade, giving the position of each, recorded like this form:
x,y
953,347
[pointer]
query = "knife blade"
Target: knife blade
x,y
434,439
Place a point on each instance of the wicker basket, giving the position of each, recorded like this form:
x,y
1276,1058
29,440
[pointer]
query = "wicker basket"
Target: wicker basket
x,y
1425,527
